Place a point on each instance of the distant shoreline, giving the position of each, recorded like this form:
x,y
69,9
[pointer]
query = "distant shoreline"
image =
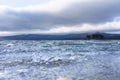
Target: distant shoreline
x,y
78,36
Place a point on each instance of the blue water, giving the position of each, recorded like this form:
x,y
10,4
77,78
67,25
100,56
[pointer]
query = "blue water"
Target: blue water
x,y
60,60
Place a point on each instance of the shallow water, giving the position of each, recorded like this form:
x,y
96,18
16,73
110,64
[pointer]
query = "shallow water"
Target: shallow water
x,y
60,60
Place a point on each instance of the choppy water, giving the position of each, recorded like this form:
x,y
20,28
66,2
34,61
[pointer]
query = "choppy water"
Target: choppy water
x,y
60,60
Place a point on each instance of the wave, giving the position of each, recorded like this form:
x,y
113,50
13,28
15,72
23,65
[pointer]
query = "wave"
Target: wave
x,y
48,63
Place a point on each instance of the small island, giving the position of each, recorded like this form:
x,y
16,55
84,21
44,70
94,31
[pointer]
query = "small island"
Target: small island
x,y
95,36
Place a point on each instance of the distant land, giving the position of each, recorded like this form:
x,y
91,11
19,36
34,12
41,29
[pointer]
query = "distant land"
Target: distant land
x,y
77,36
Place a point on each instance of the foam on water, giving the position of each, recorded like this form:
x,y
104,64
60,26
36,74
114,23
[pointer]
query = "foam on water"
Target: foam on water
x,y
60,60
64,78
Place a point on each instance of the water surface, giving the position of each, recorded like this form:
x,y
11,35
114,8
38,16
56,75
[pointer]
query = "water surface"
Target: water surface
x,y
60,60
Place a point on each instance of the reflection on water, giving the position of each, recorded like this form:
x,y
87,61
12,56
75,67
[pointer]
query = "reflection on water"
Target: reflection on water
x,y
60,60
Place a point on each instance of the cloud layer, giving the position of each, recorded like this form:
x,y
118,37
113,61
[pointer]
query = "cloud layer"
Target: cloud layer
x,y
62,16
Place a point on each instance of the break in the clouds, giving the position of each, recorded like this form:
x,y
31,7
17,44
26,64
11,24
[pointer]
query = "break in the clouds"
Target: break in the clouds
x,y
59,16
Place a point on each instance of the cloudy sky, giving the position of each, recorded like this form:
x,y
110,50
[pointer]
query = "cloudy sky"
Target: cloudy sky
x,y
58,16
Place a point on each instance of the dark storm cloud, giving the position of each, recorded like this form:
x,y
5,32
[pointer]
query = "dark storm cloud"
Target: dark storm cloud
x,y
25,20
94,12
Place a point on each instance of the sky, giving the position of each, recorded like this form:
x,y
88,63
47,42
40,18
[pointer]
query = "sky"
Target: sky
x,y
59,16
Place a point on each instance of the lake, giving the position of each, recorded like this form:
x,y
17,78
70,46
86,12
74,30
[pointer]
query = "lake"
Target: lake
x,y
60,60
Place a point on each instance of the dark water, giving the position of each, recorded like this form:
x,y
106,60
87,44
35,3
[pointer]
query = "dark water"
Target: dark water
x,y
60,60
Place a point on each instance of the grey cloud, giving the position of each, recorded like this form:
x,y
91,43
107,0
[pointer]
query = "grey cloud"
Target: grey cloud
x,y
25,20
75,14
93,12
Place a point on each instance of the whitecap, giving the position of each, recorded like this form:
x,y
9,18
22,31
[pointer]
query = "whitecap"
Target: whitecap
x,y
64,78
9,45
